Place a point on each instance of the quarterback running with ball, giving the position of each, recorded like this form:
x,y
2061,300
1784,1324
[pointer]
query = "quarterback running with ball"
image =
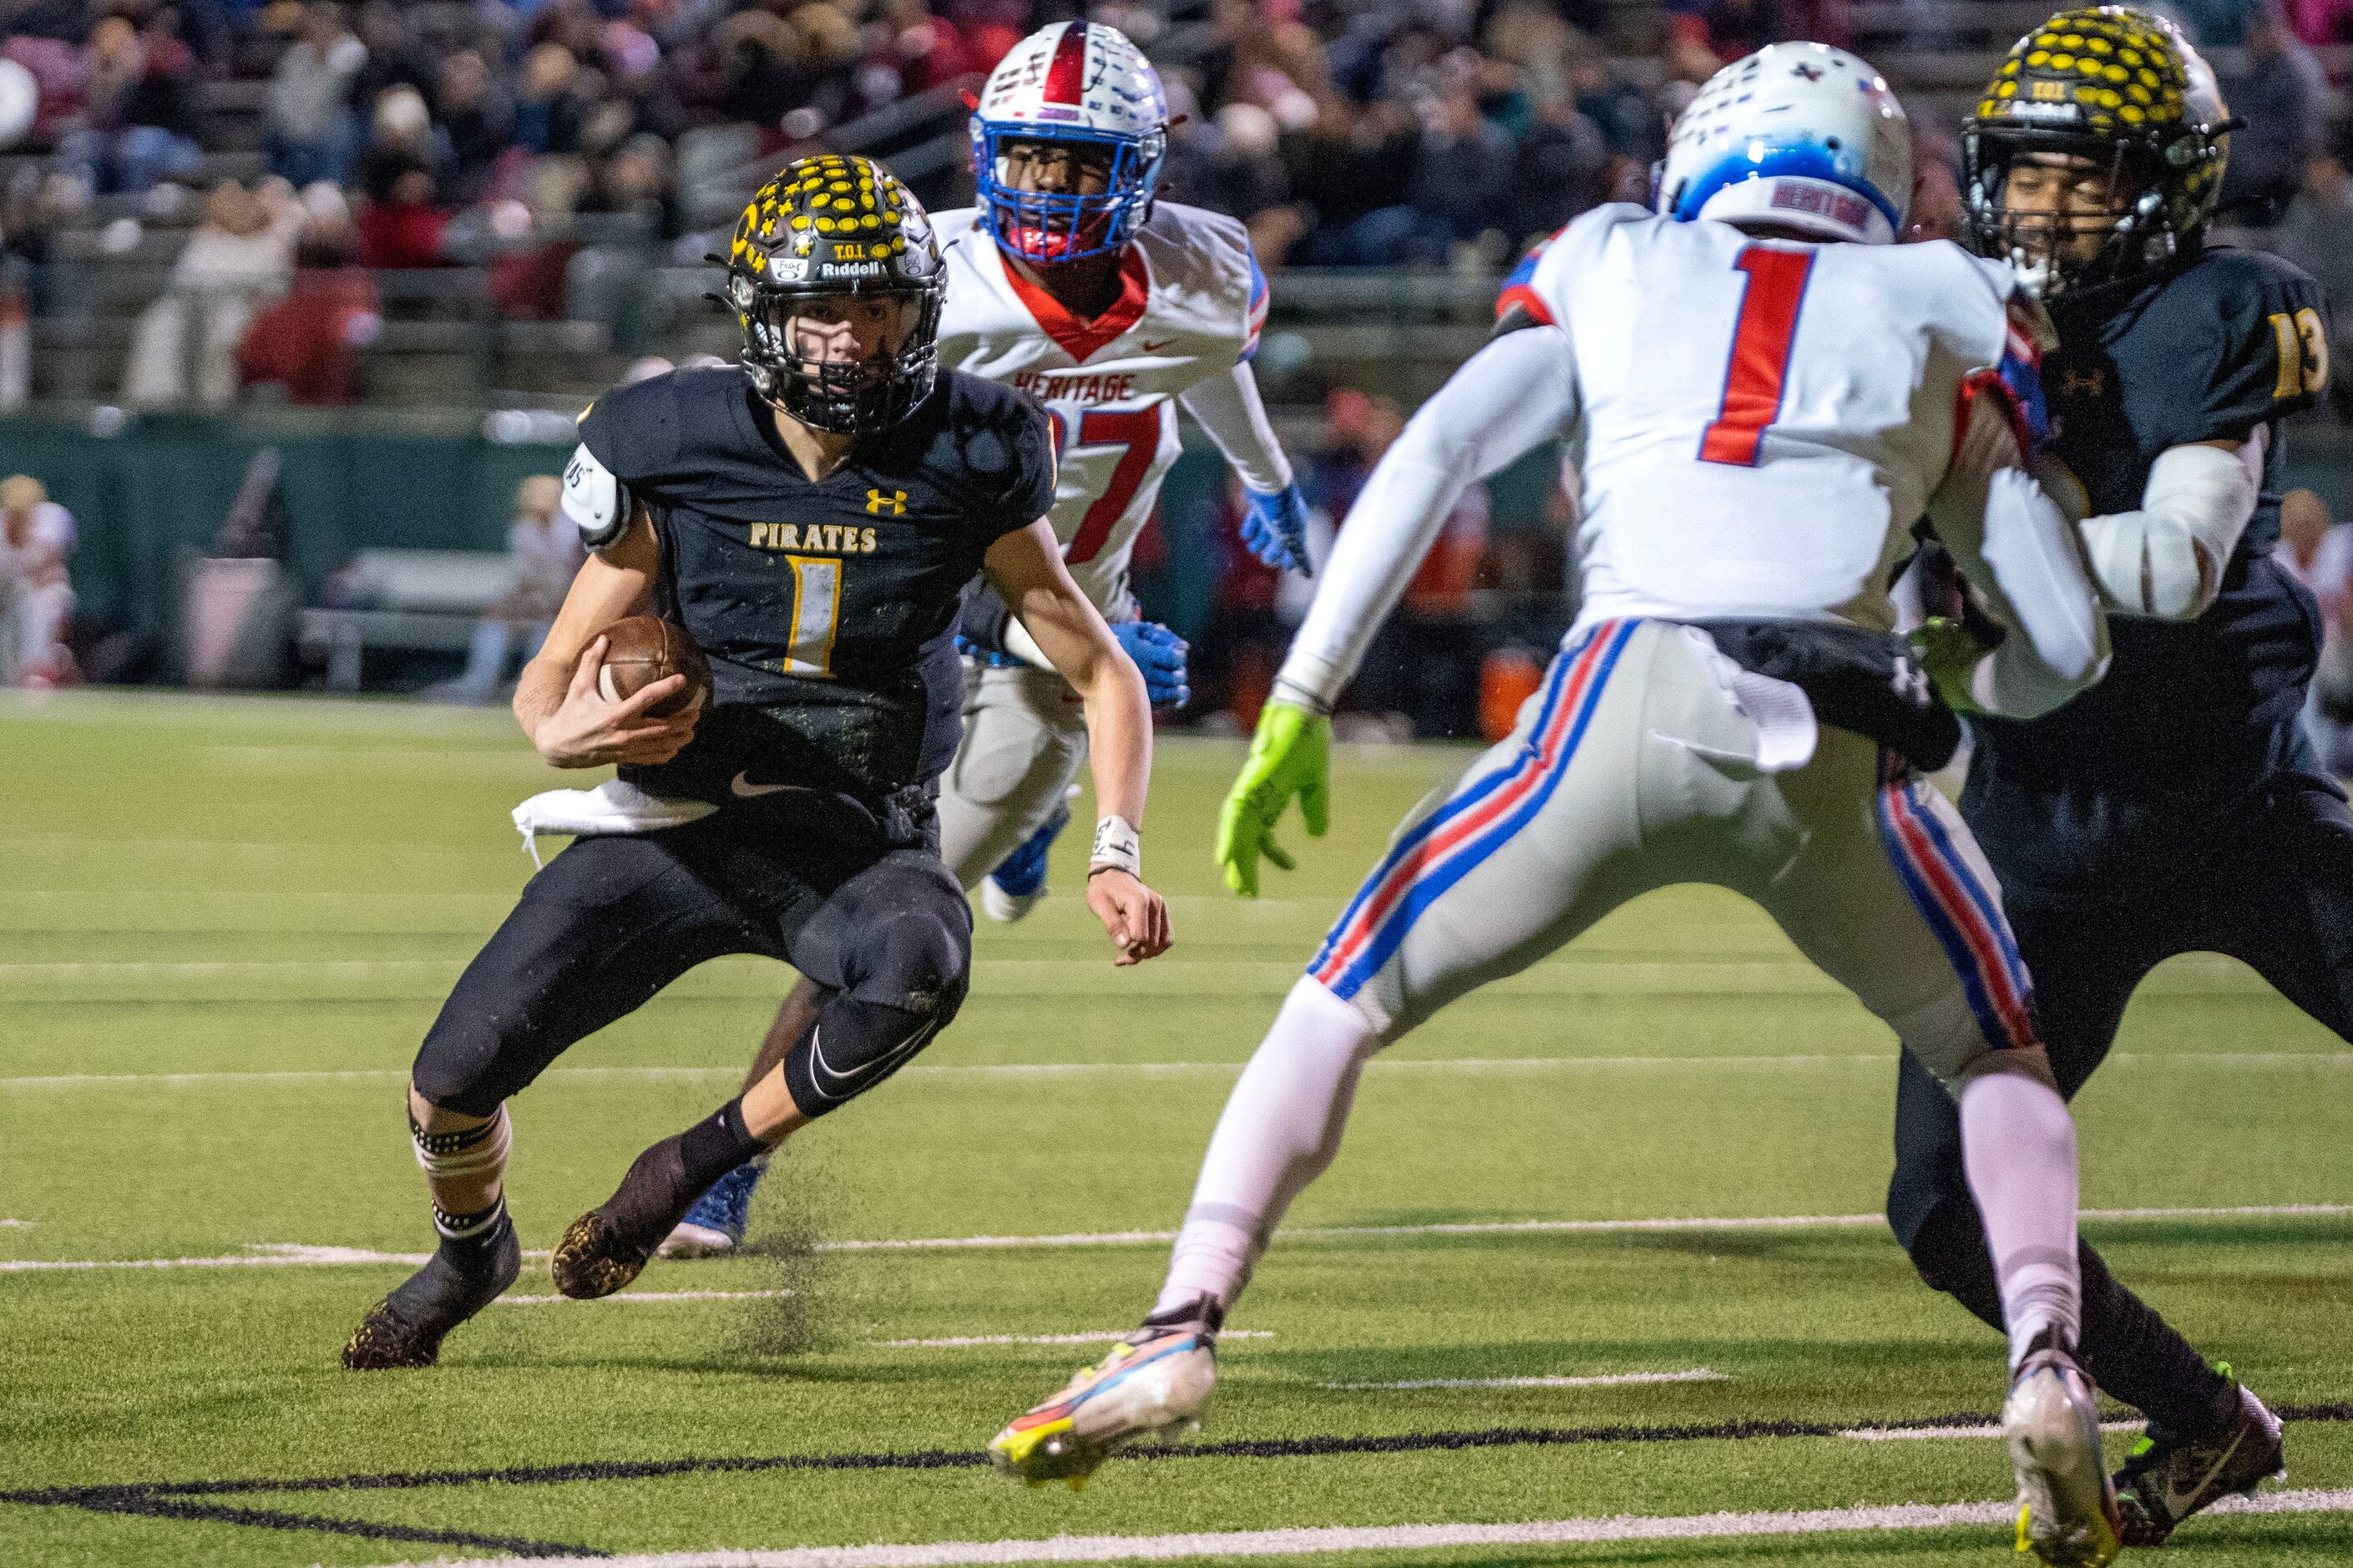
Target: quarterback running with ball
x,y
1763,394
1070,281
810,517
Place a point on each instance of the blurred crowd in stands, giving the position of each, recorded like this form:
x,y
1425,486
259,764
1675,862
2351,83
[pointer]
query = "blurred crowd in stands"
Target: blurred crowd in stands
x,y
1347,132
285,166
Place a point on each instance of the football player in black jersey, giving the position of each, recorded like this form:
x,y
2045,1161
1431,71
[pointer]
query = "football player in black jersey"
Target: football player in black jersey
x,y
2176,808
811,518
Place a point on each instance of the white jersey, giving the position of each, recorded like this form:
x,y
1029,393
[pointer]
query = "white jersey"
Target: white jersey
x,y
1761,422
1187,318
1757,425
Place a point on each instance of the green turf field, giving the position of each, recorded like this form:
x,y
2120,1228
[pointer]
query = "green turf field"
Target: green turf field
x,y
225,924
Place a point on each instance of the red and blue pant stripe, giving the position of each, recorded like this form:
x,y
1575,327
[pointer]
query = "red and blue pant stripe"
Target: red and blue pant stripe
x,y
1963,913
1449,844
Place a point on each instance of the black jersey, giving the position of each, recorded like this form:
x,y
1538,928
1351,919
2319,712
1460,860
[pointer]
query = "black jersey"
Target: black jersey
x,y
2217,348
826,608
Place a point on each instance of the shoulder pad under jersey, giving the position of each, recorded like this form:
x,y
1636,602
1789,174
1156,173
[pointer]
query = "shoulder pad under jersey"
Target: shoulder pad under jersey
x,y
597,503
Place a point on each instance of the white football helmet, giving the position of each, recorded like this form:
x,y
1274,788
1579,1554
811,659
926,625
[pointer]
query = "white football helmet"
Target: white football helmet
x,y
1800,135
1080,82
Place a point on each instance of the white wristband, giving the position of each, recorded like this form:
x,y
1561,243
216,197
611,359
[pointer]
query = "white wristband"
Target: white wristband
x,y
1117,847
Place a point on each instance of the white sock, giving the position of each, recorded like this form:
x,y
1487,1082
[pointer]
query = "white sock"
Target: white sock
x,y
1280,1130
2017,1145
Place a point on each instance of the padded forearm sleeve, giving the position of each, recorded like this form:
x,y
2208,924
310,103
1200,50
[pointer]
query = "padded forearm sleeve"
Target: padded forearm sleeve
x,y
2059,644
2166,559
2012,542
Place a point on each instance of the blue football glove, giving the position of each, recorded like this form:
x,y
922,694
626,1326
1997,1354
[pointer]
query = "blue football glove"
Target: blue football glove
x,y
1159,653
1274,529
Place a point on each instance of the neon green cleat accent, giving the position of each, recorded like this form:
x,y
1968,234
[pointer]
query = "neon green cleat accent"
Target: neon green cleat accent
x,y
2066,1505
1155,1384
1290,755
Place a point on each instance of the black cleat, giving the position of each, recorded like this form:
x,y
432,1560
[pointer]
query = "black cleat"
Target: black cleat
x,y
607,1248
2168,1478
406,1328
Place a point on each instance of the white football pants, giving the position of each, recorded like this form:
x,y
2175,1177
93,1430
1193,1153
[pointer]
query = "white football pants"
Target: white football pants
x,y
1638,765
1635,766
1025,738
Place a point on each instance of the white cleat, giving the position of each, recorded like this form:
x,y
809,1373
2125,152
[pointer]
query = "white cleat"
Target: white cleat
x,y
691,1240
1155,1384
2066,1503
1005,907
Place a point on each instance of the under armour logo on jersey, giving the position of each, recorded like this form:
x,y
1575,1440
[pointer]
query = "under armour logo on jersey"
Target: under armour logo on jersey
x,y
2074,383
896,500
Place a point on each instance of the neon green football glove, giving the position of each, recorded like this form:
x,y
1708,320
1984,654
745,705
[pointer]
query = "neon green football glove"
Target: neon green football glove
x,y
1290,756
1949,656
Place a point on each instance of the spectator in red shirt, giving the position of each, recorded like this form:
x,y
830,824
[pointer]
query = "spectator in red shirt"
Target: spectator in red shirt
x,y
309,342
401,224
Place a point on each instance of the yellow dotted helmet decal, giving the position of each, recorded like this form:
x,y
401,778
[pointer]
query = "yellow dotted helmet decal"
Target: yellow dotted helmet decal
x,y
830,225
2101,68
2121,87
833,218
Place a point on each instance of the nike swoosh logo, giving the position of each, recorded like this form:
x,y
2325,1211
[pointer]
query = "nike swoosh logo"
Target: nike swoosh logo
x,y
873,1069
2180,1502
1152,348
742,786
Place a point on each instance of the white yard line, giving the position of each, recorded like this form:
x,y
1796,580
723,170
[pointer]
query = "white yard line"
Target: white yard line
x,y
1937,1434
644,1296
327,1075
1102,1336
286,1254
1607,1380
1338,1539
1471,1065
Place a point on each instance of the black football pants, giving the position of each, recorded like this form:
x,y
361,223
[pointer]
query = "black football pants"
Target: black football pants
x,y
611,921
2269,882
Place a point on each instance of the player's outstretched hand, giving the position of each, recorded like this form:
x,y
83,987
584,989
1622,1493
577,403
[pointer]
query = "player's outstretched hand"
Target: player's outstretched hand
x,y
1274,528
1290,756
590,730
1136,916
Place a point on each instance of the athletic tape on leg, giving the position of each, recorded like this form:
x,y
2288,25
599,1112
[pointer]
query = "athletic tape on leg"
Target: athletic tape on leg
x,y
475,1152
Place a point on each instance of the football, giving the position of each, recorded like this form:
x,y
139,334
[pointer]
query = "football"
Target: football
x,y
642,649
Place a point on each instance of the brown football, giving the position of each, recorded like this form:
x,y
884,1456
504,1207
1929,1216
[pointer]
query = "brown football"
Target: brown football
x,y
643,649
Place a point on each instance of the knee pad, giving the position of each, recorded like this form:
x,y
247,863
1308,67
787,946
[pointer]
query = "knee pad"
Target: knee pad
x,y
914,962
852,1047
476,1151
455,1073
